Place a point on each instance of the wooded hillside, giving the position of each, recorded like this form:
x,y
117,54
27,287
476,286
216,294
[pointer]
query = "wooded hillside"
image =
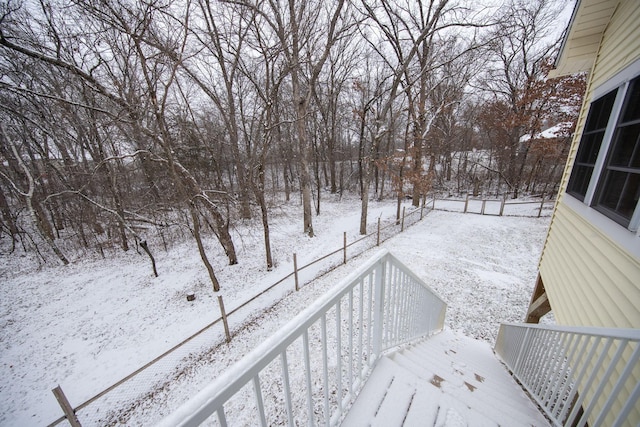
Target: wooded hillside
x,y
124,123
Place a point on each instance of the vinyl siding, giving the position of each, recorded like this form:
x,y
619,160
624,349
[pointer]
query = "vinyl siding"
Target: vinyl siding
x,y
619,43
590,279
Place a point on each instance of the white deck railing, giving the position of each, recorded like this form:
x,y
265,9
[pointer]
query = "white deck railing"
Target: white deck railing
x,y
576,375
310,371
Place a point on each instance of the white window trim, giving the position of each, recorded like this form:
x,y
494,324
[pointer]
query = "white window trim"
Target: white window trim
x,y
619,82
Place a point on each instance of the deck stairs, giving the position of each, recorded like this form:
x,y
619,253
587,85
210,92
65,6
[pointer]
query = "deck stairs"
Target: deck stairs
x,y
374,352
445,380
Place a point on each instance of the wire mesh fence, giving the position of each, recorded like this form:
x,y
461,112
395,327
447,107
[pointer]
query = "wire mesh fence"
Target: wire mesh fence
x,y
535,207
116,404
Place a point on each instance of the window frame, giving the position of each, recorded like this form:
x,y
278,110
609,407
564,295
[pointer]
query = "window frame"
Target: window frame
x,y
620,83
618,127
597,166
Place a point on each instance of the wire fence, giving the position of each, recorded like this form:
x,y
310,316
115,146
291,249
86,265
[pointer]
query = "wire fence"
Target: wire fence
x,y
538,207
113,404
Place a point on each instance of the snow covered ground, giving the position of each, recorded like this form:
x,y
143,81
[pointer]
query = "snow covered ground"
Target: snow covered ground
x,y
87,325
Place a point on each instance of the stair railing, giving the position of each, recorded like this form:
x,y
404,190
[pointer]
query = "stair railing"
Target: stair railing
x,y
577,375
311,370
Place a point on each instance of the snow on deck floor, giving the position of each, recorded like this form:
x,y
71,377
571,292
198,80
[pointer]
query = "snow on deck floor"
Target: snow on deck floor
x,y
447,380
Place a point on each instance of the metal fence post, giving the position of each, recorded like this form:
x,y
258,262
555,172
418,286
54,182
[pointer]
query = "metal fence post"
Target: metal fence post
x,y
402,224
466,203
224,318
295,271
378,241
504,200
66,407
344,245
541,205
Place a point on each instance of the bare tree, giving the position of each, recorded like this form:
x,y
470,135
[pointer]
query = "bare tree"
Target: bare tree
x,y
407,38
132,66
307,32
221,40
520,48
11,154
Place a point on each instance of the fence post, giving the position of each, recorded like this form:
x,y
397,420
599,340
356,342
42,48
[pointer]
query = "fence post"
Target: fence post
x,y
433,203
224,318
295,270
541,205
466,203
504,200
484,202
344,245
66,407
421,211
402,223
378,241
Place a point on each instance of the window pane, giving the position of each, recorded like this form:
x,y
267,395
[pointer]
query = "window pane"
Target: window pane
x,y
635,160
629,199
590,143
612,189
632,108
579,182
626,141
589,148
621,193
619,187
600,111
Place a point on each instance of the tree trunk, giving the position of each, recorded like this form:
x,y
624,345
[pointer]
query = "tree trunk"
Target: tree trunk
x,y
222,227
305,159
35,210
317,176
145,247
285,177
8,218
305,183
203,254
365,204
265,227
332,165
33,206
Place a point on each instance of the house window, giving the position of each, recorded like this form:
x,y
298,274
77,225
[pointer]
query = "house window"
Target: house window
x,y
590,143
619,186
606,171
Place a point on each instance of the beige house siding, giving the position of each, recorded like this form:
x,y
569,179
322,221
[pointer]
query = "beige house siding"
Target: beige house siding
x,y
590,266
620,42
589,279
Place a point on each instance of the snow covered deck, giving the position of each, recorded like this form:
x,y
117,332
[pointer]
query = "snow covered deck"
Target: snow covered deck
x,y
446,380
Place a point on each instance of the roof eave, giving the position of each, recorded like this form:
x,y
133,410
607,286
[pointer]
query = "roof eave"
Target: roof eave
x,y
583,35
